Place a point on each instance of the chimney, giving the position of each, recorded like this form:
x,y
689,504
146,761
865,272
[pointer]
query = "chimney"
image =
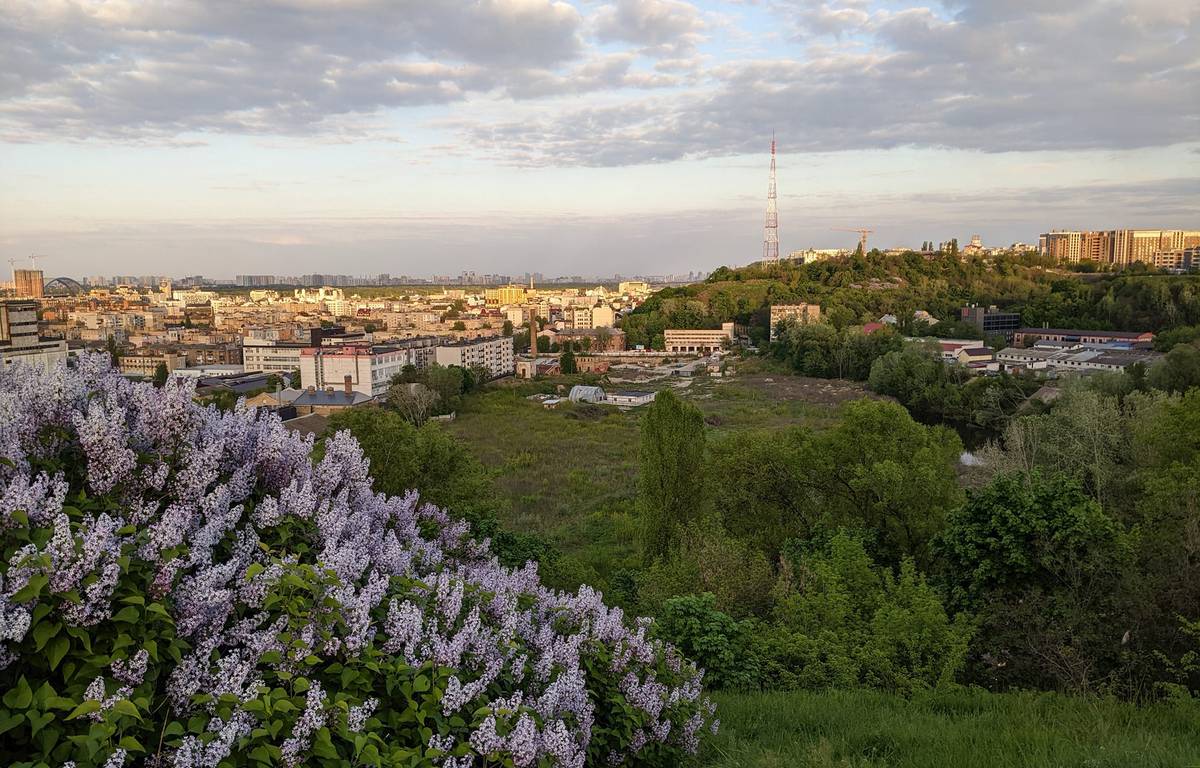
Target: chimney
x,y
348,382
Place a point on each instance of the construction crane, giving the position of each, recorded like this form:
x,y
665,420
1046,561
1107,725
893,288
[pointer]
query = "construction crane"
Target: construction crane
x,y
12,262
862,236
33,259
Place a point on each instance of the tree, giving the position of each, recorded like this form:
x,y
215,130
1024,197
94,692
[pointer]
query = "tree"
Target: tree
x,y
672,456
459,326
507,328
603,338
566,362
1041,564
161,374
415,402
543,344
114,351
1179,371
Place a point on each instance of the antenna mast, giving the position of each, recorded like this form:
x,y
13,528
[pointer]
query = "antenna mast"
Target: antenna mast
x,y
771,230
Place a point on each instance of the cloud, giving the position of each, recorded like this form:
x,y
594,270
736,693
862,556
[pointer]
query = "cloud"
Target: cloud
x,y
1070,75
665,28
131,70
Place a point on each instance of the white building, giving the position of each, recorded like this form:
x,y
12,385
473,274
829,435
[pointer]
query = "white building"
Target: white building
x,y
494,353
630,398
370,368
700,341
269,356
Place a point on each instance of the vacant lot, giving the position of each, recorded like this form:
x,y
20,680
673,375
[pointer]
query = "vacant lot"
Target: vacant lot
x,y
570,474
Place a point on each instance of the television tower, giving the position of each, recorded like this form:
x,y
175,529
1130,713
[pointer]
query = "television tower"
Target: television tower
x,y
771,230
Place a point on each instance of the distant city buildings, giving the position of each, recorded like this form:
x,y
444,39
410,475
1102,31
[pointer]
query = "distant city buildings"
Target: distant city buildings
x,y
1166,248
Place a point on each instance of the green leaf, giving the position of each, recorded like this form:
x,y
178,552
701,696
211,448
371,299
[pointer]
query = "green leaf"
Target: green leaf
x,y
9,720
86,708
32,589
127,615
131,744
43,632
126,707
421,683
19,696
58,648
38,721
323,745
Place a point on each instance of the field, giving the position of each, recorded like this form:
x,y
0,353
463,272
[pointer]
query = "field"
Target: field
x,y
570,474
865,729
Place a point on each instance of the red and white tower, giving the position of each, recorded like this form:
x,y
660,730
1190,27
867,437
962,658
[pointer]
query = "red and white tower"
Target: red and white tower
x,y
771,230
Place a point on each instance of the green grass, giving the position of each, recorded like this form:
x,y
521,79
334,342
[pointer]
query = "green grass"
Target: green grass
x,y
865,729
571,477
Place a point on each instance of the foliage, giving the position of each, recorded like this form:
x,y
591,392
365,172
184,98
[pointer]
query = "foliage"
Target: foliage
x,y
935,391
841,622
714,640
186,586
160,375
672,454
1040,562
819,349
1179,371
566,363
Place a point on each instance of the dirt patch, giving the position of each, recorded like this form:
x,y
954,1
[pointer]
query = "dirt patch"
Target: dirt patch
x,y
820,391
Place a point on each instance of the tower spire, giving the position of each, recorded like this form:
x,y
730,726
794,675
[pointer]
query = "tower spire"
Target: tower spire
x,y
771,230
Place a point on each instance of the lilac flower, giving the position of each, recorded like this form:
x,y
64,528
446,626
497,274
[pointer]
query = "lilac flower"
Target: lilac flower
x,y
309,723
356,718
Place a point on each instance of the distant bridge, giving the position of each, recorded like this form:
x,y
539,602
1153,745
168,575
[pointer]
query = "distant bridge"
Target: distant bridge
x,y
64,286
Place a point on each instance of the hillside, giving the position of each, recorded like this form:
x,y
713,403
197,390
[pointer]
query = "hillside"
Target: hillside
x,y
854,290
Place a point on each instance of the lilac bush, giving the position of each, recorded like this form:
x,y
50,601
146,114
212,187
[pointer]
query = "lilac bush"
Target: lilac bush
x,y
186,587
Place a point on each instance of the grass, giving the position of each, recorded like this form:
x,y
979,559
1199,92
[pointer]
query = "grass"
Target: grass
x,y
570,474
865,729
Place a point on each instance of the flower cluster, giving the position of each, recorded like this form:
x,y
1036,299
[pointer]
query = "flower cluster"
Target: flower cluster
x,y
207,503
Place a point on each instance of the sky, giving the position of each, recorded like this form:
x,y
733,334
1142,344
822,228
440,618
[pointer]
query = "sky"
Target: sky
x,y
594,137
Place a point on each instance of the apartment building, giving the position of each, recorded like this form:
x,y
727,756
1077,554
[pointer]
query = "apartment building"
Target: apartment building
x,y
495,353
704,342
1120,247
147,362
270,356
29,283
799,313
368,368
19,340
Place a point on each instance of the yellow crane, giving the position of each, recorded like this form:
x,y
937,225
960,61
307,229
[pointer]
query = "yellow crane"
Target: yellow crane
x,y
862,236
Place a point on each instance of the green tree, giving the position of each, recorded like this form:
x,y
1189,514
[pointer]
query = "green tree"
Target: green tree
x,y
459,326
566,362
160,375
672,456
1041,564
507,328
1179,371
114,351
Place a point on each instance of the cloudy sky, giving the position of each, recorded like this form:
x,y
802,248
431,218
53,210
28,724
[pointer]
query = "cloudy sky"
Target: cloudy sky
x,y
593,136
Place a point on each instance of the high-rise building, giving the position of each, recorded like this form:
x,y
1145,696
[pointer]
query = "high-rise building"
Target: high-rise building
x,y
29,283
1120,247
19,341
991,321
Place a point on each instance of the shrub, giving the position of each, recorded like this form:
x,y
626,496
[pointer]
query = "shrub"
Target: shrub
x,y
714,640
186,587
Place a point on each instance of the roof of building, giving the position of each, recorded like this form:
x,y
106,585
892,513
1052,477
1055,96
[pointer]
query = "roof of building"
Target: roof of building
x,y
472,342
633,393
338,397
976,351
309,424
1078,332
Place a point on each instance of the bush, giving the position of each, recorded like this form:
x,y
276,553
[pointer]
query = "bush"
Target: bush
x,y
185,586
714,640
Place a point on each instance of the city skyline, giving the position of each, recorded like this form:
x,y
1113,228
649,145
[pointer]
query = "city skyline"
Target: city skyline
x,y
294,137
